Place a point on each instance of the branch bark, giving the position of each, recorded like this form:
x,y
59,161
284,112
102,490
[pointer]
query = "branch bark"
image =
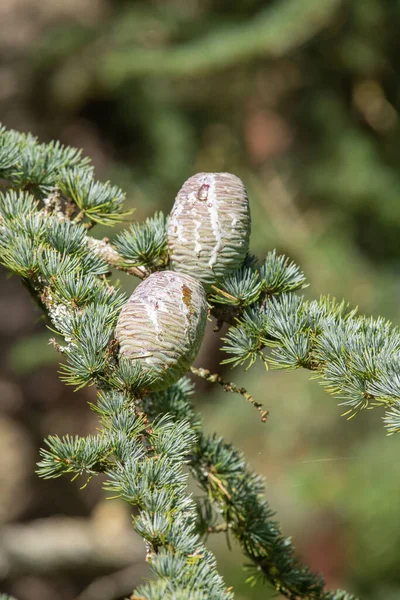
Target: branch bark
x,y
104,249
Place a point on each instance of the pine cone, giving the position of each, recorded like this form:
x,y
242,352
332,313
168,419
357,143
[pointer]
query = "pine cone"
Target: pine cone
x,y
162,325
209,227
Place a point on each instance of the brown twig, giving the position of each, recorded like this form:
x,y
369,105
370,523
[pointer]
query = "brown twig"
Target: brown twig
x,y
104,249
230,387
220,528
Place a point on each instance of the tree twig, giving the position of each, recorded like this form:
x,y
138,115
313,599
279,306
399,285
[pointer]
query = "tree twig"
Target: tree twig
x,y
220,528
104,249
230,387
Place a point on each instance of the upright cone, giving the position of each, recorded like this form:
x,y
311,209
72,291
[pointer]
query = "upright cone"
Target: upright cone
x,y
209,227
162,325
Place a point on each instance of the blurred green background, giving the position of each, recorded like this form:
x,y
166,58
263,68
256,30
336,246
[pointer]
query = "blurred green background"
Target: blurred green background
x,y
301,99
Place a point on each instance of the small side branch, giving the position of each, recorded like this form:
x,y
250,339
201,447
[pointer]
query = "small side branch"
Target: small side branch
x,y
104,249
230,387
220,528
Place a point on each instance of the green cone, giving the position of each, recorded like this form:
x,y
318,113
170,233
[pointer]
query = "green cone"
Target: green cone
x,y
162,325
209,227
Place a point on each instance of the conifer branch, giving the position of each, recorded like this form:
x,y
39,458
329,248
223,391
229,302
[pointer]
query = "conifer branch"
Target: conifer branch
x,y
104,249
238,496
230,387
139,251
145,440
143,465
356,358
